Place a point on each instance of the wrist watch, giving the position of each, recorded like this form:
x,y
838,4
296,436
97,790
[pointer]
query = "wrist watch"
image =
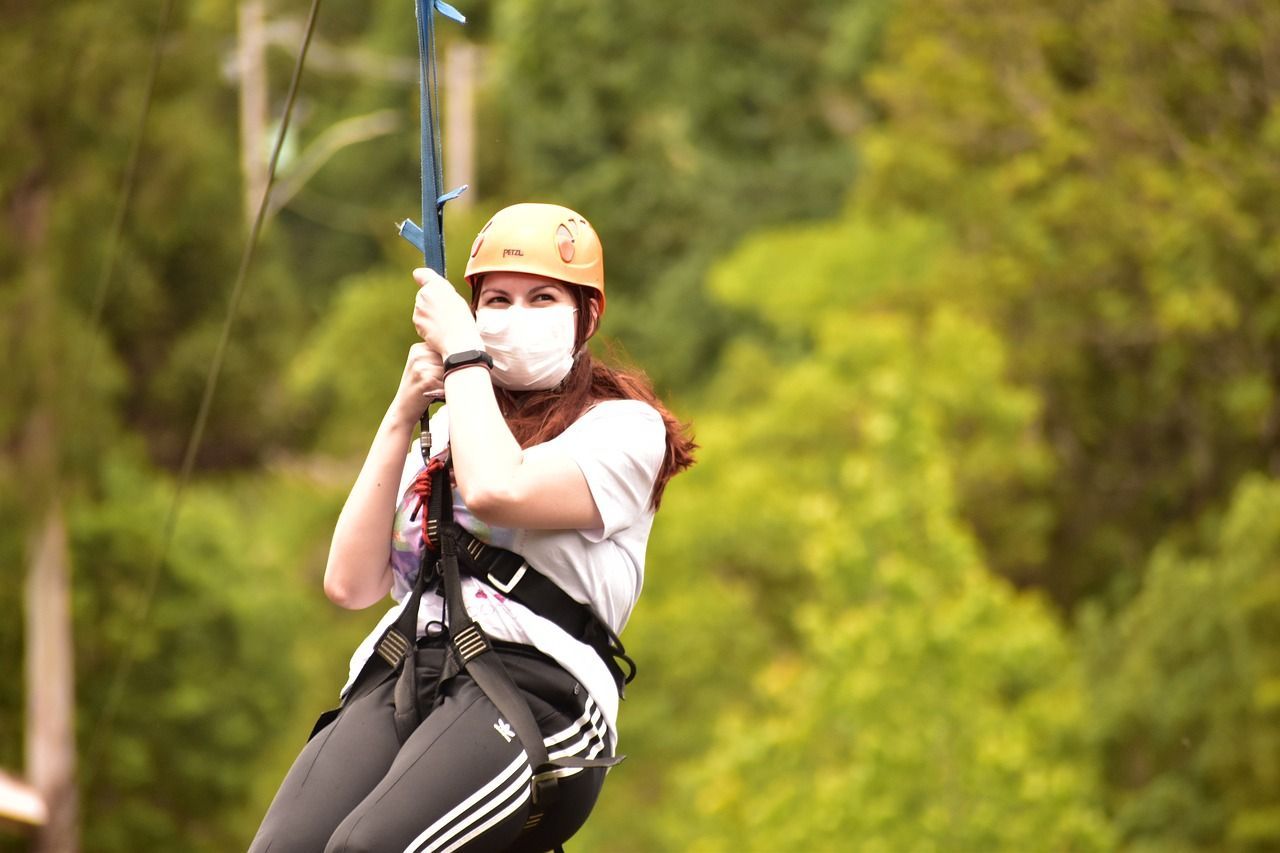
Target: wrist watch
x,y
466,358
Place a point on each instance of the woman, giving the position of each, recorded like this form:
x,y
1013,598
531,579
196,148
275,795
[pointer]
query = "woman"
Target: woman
x,y
558,465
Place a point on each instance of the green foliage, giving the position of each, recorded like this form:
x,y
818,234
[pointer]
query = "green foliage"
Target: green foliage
x,y
903,724
844,277
344,394
1100,169
877,685
1038,342
211,651
12,647
677,128
1187,689
345,370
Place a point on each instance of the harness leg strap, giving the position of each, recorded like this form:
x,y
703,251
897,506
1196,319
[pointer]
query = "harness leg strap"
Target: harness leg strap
x,y
473,652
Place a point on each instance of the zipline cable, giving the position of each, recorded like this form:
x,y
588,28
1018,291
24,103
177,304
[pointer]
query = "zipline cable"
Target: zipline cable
x,y
103,726
127,183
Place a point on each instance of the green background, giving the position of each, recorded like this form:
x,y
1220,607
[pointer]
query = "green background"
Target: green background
x,y
973,306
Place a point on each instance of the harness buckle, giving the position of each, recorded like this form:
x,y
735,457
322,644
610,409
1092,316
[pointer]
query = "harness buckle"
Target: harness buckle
x,y
546,790
469,643
393,646
509,585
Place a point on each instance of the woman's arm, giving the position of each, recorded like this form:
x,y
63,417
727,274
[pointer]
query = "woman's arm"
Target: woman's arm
x,y
497,484
358,572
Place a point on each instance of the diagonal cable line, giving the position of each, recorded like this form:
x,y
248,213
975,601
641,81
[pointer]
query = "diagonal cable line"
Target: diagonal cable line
x,y
120,678
128,181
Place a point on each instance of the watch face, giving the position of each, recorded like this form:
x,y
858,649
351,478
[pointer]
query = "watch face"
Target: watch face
x,y
471,356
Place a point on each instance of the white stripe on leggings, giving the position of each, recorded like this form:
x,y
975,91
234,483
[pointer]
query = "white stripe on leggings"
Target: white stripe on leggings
x,y
516,803
496,781
517,792
574,727
592,742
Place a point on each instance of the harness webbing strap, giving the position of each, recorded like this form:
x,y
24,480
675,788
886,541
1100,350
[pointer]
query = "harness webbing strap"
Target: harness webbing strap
x,y
429,238
469,650
508,573
472,649
432,174
395,647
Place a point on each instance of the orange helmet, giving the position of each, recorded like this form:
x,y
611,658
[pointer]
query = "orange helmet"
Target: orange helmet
x,y
543,239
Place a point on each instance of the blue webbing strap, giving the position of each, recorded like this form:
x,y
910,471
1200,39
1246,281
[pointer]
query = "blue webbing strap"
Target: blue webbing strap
x,y
429,238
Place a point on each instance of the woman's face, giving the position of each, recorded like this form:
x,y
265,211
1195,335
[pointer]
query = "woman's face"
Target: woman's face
x,y
506,289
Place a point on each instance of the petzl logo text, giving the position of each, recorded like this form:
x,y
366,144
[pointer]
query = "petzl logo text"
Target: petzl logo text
x,y
512,252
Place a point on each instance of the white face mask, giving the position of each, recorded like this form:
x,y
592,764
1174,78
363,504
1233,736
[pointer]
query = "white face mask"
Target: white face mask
x,y
532,348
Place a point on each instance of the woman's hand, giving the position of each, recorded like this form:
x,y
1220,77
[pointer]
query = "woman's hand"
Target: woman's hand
x,y
442,317
421,382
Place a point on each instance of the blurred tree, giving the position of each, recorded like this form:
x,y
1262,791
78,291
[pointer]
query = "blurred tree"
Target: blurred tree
x,y
217,669
1187,689
1047,323
677,128
1088,182
69,132
1102,170
215,665
843,668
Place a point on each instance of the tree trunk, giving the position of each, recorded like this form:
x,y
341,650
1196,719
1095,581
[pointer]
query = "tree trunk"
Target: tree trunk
x,y
460,81
251,49
49,730
50,676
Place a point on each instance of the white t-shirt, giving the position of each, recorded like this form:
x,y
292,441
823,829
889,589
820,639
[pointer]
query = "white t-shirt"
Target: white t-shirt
x,y
619,446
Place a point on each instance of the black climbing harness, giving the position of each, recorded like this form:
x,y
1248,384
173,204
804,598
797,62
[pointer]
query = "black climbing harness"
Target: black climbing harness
x,y
508,573
446,551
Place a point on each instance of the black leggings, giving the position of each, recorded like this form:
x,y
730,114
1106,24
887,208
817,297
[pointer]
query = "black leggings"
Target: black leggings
x,y
460,782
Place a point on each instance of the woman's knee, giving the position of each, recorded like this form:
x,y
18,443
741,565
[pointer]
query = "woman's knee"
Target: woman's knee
x,y
299,836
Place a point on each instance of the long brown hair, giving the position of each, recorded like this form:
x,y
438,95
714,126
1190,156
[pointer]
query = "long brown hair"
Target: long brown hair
x,y
537,416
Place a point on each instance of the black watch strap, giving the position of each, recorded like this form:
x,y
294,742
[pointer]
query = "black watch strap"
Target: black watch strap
x,y
466,358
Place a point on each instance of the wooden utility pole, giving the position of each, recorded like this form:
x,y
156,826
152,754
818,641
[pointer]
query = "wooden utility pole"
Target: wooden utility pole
x,y
461,63
251,51
49,729
50,674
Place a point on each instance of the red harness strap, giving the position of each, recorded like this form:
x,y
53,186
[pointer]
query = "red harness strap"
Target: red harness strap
x,y
422,488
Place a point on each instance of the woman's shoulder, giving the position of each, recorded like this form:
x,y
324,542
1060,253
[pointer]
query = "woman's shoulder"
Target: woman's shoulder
x,y
621,409
611,422
608,426
624,417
